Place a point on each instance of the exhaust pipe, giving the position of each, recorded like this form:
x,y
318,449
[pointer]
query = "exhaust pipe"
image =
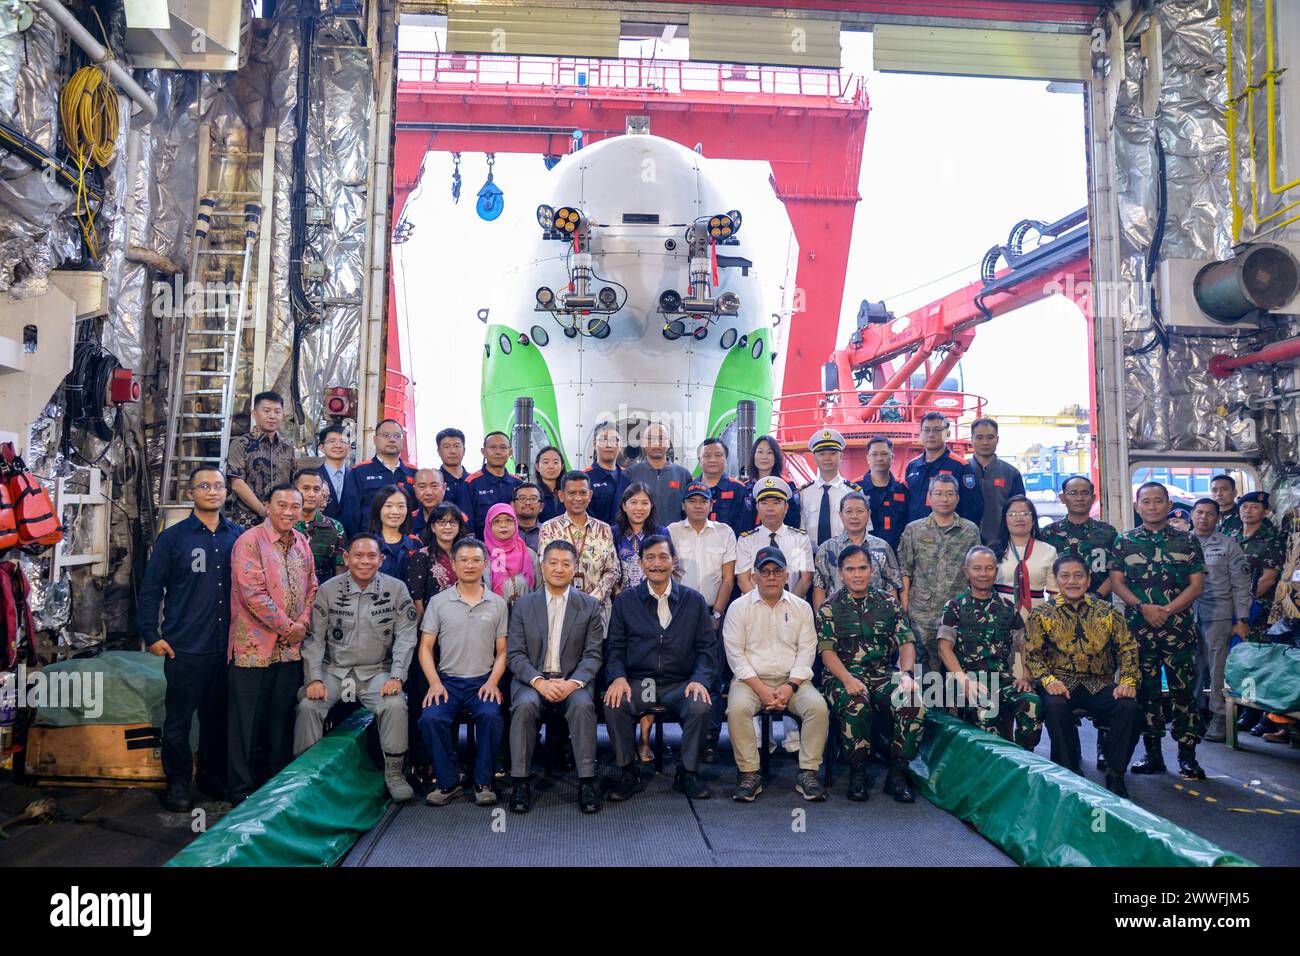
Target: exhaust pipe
x,y
746,413
522,438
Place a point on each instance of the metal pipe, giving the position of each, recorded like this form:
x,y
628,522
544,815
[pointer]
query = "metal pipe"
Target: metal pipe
x,y
1263,276
898,380
523,435
1221,366
746,417
101,57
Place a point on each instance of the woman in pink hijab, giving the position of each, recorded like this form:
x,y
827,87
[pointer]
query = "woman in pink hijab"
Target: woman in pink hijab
x,y
512,567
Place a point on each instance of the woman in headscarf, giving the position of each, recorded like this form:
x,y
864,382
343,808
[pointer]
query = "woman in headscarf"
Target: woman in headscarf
x,y
512,567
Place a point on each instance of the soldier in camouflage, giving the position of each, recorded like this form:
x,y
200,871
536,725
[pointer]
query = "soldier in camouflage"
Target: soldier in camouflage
x,y
325,535
1158,572
1262,544
931,556
860,632
980,635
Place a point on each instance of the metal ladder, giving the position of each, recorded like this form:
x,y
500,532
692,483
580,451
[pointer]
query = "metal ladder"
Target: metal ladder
x,y
227,267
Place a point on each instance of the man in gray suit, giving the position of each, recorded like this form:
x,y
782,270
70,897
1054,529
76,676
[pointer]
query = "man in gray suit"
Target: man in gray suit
x,y
554,651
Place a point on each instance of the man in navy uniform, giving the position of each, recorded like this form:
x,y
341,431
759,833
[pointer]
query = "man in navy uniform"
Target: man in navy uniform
x,y
492,485
886,494
608,480
822,496
386,468
728,495
451,449
937,459
189,569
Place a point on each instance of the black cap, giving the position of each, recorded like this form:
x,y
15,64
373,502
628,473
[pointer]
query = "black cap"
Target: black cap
x,y
769,555
1257,497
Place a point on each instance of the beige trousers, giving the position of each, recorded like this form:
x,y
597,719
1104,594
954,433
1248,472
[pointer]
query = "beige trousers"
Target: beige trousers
x,y
807,704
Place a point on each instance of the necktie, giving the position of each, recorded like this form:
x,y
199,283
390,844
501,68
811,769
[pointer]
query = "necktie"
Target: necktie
x,y
665,613
771,539
824,515
555,625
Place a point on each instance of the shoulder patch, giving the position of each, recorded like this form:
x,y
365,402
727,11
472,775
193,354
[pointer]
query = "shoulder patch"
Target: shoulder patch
x,y
746,534
805,486
969,481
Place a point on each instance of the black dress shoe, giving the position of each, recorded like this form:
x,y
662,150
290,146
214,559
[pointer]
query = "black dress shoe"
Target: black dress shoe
x,y
628,783
691,785
1248,719
1115,784
521,801
588,796
1187,765
177,798
1154,762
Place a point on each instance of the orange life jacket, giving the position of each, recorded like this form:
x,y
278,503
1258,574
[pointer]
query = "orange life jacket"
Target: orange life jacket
x,y
8,520
34,516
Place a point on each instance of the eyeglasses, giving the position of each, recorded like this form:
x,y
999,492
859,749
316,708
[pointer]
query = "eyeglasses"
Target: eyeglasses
x,y
934,431
209,486
528,500
446,521
1077,494
393,435
1019,514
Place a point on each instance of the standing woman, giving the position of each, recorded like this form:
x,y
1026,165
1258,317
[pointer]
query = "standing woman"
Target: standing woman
x,y
547,469
512,568
766,459
635,519
1024,558
390,519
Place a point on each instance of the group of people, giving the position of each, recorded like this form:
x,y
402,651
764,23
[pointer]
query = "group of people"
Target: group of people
x,y
435,597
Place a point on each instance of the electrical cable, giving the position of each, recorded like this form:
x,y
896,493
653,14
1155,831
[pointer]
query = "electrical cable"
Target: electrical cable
x,y
87,388
89,116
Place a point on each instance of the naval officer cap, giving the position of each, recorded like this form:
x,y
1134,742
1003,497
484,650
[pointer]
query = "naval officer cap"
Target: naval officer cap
x,y
771,487
827,439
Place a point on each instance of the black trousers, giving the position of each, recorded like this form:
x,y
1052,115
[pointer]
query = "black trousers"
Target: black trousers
x,y
262,702
1121,715
196,684
692,714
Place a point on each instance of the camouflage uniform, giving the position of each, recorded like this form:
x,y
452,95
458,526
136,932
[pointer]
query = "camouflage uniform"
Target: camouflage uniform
x,y
1091,540
866,633
983,633
328,542
884,566
934,558
1157,567
1230,523
1264,551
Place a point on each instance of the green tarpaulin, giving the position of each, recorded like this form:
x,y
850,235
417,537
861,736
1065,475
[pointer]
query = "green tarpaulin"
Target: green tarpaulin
x,y
309,814
116,687
1266,676
1041,814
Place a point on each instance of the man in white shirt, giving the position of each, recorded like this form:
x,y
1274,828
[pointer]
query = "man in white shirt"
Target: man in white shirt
x,y
821,496
554,650
771,645
771,499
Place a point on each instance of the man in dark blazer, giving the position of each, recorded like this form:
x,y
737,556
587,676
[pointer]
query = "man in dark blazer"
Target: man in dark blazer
x,y
662,650
553,649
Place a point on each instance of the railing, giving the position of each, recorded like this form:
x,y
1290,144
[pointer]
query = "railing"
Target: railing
x,y
468,71
900,416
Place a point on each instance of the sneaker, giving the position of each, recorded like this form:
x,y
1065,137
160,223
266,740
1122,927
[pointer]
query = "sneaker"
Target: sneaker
x,y
484,795
1217,732
749,787
808,785
439,798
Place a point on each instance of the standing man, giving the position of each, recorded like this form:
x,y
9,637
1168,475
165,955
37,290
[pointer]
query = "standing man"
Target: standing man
x,y
468,625
259,461
1262,543
855,514
771,645
598,564
554,652
359,647
1223,489
981,633
527,503
861,631
772,498
888,495
430,491
1085,536
333,445
932,558
1076,643
1158,572
451,450
937,459
1222,610
662,651
667,480
325,535
997,479
491,486
386,468
728,495
189,571
821,496
273,582
607,479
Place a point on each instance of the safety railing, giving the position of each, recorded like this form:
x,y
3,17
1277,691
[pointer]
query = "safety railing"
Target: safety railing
x,y
898,417
596,76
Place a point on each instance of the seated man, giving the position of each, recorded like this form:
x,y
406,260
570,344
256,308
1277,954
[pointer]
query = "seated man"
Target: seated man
x,y
981,633
861,631
468,623
771,646
554,651
1075,644
359,647
663,651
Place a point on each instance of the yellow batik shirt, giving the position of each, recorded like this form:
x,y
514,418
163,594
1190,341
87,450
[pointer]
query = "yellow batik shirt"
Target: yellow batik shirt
x,y
1087,645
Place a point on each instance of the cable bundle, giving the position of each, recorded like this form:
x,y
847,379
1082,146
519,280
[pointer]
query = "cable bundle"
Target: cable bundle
x,y
87,388
88,109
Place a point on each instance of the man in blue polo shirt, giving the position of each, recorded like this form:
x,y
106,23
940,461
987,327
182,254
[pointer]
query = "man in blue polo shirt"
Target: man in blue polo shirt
x,y
937,459
189,569
386,468
608,481
886,494
492,485
727,493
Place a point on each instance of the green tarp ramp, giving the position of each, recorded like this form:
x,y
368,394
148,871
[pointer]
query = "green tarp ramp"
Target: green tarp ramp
x,y
1041,814
1266,676
309,814
125,687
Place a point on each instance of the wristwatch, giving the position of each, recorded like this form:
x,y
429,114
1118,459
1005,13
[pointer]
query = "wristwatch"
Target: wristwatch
x,y
717,615
794,688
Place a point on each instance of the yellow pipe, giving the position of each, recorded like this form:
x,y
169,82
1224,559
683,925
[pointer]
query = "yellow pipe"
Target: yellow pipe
x,y
1271,77
1225,18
